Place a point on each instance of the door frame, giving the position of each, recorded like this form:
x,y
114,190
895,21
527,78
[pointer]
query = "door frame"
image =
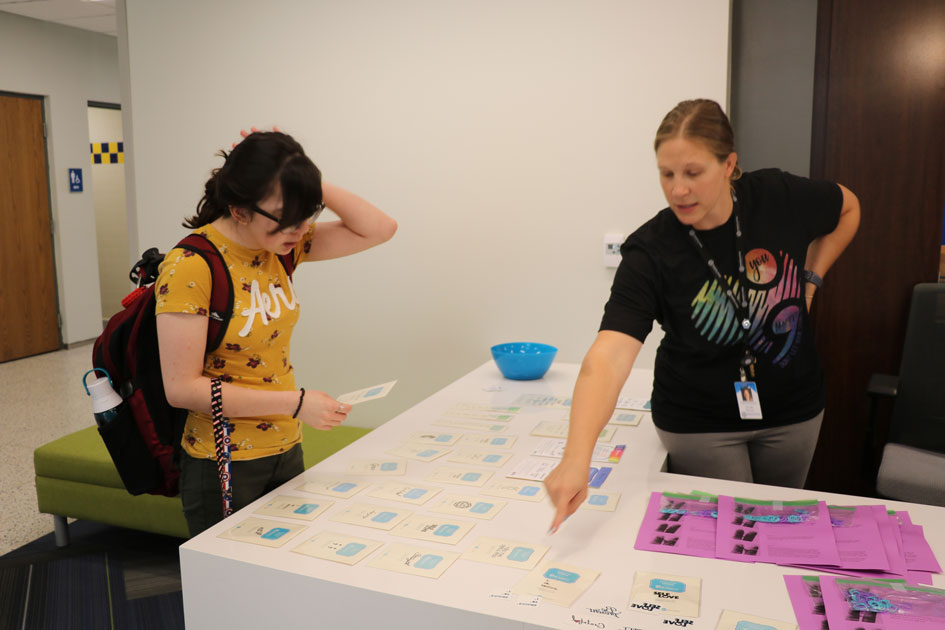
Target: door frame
x,y
44,103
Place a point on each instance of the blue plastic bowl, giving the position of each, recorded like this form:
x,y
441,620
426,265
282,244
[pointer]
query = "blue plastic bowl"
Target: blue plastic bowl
x,y
522,361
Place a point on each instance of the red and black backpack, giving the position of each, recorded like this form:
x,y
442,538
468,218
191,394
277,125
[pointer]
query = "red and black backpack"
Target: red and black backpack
x,y
144,439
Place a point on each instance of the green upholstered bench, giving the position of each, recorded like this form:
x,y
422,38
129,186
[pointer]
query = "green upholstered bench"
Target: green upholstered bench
x,y
75,477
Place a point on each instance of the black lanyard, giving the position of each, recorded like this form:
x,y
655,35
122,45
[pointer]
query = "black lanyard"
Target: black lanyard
x,y
740,301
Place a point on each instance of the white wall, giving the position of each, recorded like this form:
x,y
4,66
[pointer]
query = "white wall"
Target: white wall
x,y
69,67
107,182
506,137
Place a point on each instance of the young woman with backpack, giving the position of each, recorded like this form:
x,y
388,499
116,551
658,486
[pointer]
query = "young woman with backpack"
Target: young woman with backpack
x,y
259,206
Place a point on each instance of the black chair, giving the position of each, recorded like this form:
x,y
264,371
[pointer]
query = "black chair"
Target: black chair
x,y
913,461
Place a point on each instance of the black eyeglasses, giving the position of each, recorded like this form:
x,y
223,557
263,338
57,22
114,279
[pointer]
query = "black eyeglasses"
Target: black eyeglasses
x,y
260,211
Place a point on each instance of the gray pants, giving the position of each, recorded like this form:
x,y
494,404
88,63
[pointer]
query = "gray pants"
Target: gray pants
x,y
252,478
778,457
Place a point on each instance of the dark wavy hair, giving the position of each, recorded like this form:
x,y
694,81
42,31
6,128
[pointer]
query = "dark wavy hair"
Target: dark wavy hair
x,y
249,175
703,120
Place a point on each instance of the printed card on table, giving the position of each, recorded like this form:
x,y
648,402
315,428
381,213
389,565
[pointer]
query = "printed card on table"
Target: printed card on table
x,y
366,394
514,489
432,529
461,476
459,423
375,516
413,560
533,469
559,429
481,412
336,547
488,441
419,452
467,505
557,583
294,507
434,437
403,491
601,501
638,404
506,553
602,452
623,417
506,409
542,400
666,594
377,467
262,532
731,620
479,457
332,486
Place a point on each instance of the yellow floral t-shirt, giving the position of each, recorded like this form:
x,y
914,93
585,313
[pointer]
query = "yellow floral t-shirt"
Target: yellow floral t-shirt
x,y
254,352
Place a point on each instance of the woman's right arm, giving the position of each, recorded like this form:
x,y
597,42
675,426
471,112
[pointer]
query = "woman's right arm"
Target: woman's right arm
x,y
182,341
604,371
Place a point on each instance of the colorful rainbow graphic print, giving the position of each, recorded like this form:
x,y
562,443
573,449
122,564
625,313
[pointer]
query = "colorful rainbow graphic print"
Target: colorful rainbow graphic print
x,y
774,308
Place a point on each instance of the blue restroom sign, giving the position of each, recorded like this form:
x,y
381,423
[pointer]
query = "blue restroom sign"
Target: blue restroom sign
x,y
75,180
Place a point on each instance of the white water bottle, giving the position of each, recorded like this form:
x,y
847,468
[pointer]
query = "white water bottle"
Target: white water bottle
x,y
105,400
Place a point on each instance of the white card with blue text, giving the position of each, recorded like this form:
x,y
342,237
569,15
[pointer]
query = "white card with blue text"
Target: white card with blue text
x,y
366,394
337,547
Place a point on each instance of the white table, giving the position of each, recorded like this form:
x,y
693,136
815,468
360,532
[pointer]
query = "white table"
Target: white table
x,y
229,584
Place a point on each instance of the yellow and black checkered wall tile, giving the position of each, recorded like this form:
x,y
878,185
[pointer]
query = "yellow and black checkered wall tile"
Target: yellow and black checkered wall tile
x,y
108,152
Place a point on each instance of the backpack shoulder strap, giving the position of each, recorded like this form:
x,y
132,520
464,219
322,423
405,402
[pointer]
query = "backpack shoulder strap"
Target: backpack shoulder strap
x,y
288,261
221,293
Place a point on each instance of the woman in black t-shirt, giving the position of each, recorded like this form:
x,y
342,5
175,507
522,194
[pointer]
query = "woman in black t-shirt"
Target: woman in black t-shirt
x,y
728,270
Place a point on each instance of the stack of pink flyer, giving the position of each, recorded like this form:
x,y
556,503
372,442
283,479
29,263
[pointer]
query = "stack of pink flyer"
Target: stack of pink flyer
x,y
845,604
679,523
865,542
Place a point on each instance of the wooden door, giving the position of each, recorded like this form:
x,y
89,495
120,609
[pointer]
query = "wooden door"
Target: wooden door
x,y
879,129
28,301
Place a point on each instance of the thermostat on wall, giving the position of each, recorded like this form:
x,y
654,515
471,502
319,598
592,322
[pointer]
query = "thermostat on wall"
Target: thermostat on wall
x,y
612,243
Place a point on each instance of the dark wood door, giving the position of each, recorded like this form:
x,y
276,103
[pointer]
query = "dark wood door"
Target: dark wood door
x,y
28,302
879,129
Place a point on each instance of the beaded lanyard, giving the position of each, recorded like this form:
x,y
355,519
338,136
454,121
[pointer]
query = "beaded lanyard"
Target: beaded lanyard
x,y
221,437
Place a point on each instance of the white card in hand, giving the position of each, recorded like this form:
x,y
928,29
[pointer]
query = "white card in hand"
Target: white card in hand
x,y
366,394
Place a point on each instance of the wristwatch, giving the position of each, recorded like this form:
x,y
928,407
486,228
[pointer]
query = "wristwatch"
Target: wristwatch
x,y
813,278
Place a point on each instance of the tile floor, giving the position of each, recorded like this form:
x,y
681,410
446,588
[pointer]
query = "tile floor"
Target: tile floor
x,y
41,399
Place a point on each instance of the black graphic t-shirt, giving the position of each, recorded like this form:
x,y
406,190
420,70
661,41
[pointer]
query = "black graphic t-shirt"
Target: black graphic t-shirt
x,y
662,277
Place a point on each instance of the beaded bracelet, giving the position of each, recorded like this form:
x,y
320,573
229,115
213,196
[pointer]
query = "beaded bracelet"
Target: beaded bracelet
x,y
301,398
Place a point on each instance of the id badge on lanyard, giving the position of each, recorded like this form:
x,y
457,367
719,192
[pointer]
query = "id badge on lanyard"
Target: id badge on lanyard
x,y
746,391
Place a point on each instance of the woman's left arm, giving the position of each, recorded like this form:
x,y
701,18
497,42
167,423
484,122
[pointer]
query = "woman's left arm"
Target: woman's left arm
x,y
361,227
824,251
